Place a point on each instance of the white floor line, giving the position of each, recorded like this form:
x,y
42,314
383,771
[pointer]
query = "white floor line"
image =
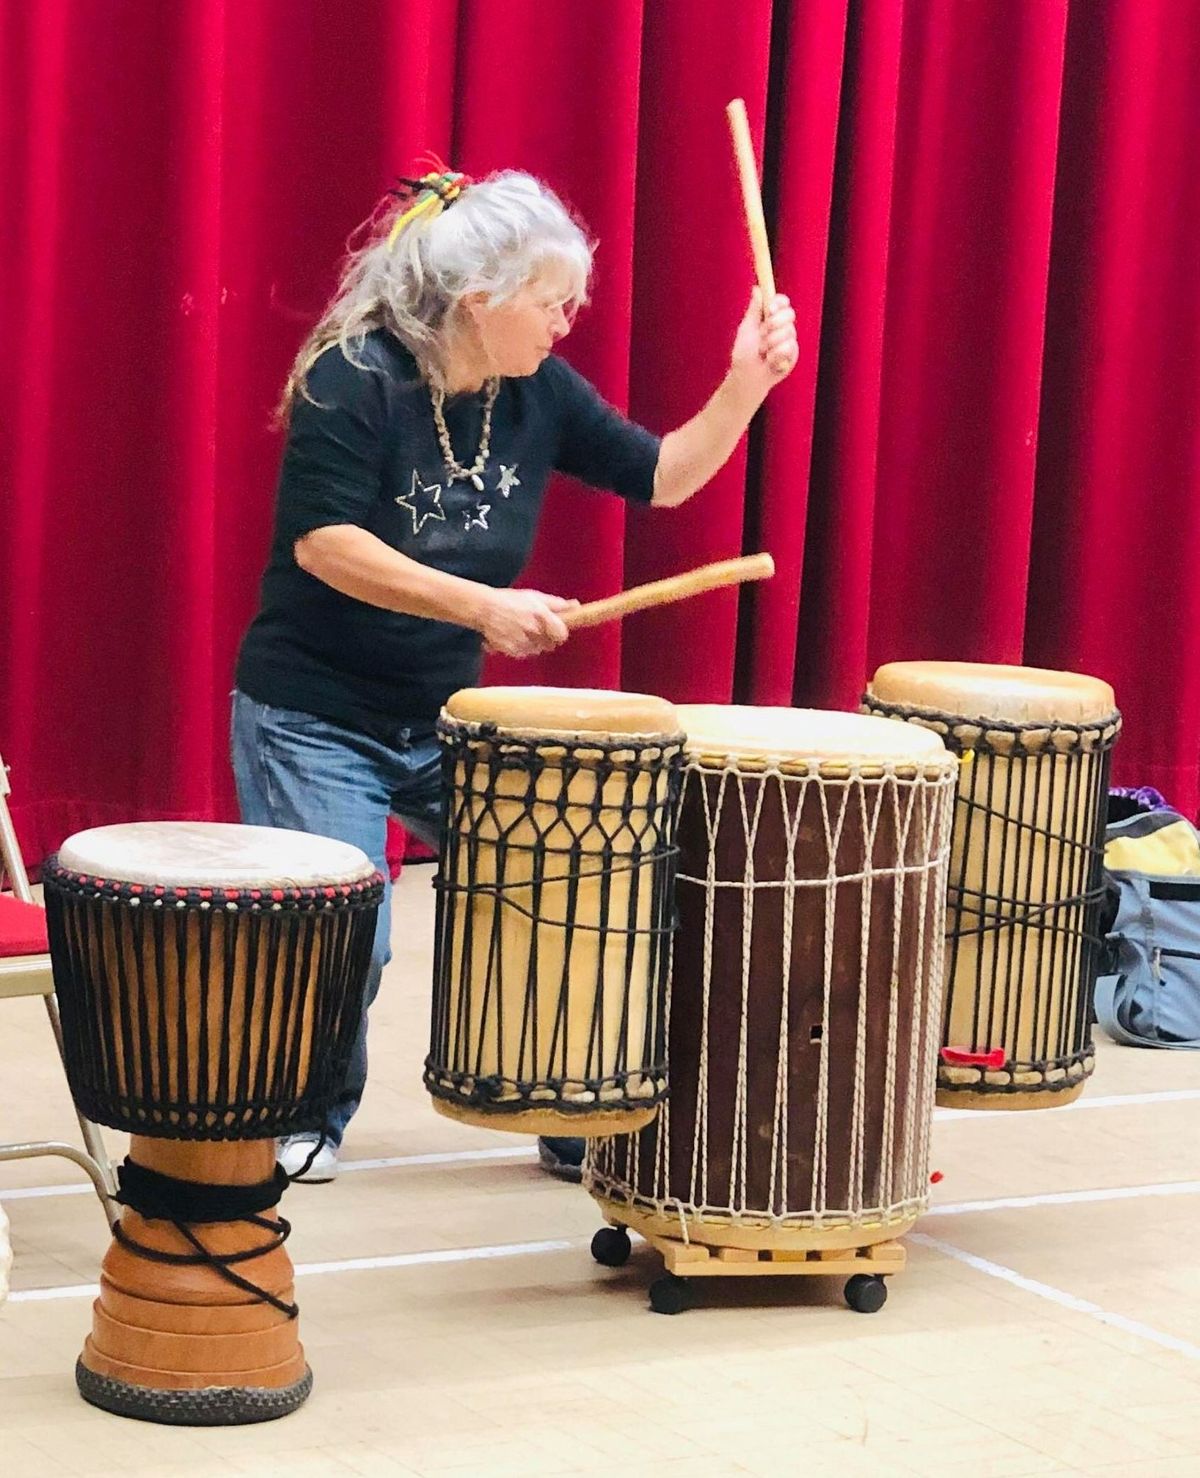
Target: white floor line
x,y
31,1192
523,1249
1070,1198
520,1249
519,1152
448,1254
1058,1296
346,1265
42,1295
456,1157
1114,1100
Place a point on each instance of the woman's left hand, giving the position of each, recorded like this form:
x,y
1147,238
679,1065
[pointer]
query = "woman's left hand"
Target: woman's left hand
x,y
765,349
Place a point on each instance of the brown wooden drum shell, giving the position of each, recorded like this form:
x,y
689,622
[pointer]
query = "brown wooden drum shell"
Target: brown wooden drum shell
x,y
801,1087
170,1325
211,980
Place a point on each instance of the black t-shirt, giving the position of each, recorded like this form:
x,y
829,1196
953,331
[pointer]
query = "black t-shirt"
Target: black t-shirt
x,y
367,453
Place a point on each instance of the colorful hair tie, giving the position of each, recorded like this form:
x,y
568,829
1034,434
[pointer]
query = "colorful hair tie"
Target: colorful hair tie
x,y
435,190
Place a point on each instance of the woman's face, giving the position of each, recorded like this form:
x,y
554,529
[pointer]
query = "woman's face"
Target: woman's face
x,y
516,336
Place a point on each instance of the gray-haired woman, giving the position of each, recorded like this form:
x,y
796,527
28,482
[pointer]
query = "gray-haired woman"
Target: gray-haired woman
x,y
425,414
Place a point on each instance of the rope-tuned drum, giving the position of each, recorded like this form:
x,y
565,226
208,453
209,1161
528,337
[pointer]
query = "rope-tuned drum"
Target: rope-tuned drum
x,y
1025,874
210,979
554,909
805,989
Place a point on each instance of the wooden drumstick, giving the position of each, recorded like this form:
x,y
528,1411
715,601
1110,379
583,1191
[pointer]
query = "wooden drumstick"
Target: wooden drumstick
x,y
677,587
743,149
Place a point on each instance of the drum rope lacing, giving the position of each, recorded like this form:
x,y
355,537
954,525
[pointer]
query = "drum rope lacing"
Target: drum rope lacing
x,y
277,971
530,817
920,814
1025,896
604,821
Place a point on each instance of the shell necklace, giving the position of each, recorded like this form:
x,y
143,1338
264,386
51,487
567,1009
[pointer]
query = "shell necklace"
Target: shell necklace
x,y
459,473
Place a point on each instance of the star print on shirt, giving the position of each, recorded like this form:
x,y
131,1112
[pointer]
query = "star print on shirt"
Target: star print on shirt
x,y
508,480
423,503
478,519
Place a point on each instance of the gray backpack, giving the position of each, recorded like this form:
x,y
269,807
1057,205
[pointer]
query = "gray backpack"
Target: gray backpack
x,y
1150,996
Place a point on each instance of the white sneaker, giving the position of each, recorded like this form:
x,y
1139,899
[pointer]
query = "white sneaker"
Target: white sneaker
x,y
296,1151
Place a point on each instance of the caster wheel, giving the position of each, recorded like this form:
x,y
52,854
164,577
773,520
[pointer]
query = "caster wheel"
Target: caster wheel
x,y
866,1293
670,1295
611,1247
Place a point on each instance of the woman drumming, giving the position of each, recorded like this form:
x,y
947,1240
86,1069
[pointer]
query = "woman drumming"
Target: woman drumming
x,y
425,414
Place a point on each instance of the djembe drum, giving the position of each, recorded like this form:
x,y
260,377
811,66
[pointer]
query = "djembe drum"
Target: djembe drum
x,y
210,979
1025,886
806,984
554,909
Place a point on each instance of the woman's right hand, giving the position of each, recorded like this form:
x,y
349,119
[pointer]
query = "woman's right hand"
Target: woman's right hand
x,y
522,623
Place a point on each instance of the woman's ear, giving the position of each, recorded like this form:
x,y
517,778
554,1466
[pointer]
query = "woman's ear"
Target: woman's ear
x,y
472,305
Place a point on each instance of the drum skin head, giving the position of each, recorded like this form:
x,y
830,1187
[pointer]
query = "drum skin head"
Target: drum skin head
x,y
1014,695
720,732
561,711
204,854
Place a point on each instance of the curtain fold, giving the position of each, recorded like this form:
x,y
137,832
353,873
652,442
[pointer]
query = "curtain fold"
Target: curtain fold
x,y
692,281
984,215
556,89
973,186
1115,570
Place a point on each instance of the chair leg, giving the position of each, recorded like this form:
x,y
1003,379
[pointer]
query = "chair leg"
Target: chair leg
x,y
94,1143
77,1157
96,1161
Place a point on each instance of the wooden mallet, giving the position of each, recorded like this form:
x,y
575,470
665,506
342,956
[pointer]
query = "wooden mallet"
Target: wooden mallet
x,y
743,151
676,587
728,571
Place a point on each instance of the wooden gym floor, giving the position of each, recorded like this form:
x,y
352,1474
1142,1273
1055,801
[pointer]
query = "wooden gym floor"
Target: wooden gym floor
x,y
1048,1322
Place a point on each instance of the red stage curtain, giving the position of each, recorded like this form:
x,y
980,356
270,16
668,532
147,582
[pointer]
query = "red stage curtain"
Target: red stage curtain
x,y
984,214
1115,571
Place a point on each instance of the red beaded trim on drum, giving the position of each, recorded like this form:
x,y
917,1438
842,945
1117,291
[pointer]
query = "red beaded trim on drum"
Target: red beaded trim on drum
x,y
332,895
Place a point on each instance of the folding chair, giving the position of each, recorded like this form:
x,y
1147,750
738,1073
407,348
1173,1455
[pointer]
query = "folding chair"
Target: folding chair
x,y
25,971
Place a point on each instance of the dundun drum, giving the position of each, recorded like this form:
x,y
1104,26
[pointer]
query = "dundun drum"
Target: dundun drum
x,y
554,909
1025,873
210,979
805,989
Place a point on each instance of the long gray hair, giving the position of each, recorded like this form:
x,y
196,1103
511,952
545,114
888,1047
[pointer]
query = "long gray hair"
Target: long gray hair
x,y
502,233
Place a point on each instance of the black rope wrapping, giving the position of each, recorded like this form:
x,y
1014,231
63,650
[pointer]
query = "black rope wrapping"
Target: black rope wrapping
x,y
208,1013
605,808
1057,770
962,732
187,1203
505,892
976,904
156,1195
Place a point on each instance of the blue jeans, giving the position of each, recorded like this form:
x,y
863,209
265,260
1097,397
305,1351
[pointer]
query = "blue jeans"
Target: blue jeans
x,y
310,774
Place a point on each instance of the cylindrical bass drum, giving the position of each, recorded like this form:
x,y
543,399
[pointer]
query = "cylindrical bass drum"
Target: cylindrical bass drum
x,y
554,909
1026,881
805,990
210,979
